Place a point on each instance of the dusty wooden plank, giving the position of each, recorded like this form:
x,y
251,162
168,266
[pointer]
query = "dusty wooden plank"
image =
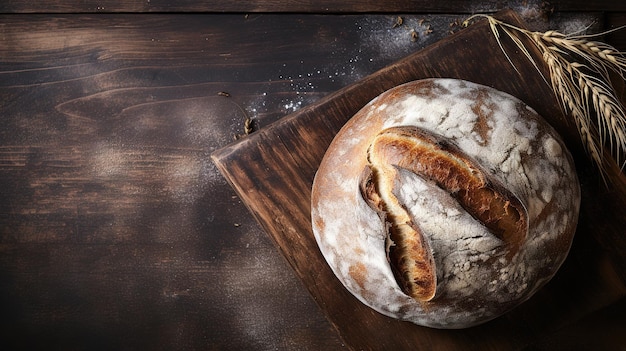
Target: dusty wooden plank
x,y
116,230
272,171
323,6
605,329
110,209
617,37
196,56
197,299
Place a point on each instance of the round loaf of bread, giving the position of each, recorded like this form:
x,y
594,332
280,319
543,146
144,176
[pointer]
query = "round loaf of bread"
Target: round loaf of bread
x,y
445,203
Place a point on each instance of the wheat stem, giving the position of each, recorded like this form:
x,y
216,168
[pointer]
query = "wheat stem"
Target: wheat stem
x,y
580,75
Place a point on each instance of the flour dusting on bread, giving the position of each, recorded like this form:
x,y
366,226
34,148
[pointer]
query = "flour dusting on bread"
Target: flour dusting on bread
x,y
487,186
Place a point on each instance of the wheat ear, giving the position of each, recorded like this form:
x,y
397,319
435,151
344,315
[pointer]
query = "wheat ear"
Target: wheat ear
x,y
580,71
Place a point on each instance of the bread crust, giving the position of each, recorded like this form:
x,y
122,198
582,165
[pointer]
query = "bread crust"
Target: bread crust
x,y
445,203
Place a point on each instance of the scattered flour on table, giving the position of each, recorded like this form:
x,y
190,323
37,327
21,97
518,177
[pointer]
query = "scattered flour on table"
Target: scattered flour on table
x,y
392,43
380,43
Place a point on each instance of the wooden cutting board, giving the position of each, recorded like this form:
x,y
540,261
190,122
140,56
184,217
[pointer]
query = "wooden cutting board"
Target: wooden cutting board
x,y
272,171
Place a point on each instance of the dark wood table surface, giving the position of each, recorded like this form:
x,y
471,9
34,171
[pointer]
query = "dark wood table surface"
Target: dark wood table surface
x,y
116,229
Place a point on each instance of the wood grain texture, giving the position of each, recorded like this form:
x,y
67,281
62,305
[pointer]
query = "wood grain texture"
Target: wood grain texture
x,y
272,172
292,6
118,232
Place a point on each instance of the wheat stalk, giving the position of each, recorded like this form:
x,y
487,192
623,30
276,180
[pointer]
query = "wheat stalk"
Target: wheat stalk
x,y
580,75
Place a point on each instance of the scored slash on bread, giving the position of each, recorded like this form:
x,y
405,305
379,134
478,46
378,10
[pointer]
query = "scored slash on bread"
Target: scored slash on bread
x,y
407,249
437,161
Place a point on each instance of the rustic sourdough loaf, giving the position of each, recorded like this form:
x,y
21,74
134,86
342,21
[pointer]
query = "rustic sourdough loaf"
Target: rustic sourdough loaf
x,y
445,203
